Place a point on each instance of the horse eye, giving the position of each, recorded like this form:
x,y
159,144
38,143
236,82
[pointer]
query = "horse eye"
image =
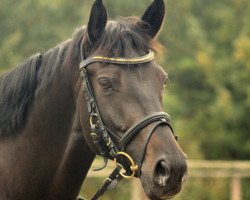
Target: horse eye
x,y
105,83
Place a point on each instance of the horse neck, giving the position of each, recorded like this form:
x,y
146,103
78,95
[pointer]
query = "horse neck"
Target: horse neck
x,y
74,166
55,129
75,157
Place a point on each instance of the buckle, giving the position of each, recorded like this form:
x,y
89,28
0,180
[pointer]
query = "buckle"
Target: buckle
x,y
93,120
133,166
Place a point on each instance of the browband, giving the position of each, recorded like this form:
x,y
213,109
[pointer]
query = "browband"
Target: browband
x,y
119,60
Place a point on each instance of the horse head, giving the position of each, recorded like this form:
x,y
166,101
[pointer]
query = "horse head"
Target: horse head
x,y
122,95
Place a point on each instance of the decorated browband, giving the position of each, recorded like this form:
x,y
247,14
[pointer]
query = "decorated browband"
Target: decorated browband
x,y
119,60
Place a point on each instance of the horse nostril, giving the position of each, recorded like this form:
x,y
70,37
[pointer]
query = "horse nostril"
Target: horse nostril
x,y
162,173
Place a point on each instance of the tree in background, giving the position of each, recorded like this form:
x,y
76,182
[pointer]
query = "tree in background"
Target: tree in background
x,y
208,52
30,26
208,60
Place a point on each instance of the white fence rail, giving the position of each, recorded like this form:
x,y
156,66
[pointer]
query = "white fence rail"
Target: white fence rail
x,y
197,168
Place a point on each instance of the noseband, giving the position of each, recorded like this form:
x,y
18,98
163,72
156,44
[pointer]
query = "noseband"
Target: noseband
x,y
109,145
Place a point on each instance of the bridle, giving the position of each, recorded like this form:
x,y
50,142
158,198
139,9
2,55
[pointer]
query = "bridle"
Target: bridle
x,y
109,145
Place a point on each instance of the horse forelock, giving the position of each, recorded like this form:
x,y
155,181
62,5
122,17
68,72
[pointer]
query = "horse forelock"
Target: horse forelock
x,y
122,36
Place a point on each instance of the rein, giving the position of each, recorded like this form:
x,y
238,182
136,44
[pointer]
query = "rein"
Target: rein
x,y
109,145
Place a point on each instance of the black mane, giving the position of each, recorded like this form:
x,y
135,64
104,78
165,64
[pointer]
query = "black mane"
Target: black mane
x,y
17,90
19,86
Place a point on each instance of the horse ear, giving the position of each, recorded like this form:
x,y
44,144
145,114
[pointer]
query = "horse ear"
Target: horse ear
x,y
97,21
154,16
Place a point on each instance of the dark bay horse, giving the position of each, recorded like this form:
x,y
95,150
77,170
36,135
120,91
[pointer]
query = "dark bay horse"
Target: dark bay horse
x,y
54,119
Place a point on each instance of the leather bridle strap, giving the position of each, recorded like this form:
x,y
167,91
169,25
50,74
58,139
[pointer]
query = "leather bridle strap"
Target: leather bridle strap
x,y
130,134
147,138
155,119
108,143
102,138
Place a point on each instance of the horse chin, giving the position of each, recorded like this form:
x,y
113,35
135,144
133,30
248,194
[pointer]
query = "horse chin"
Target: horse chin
x,y
153,196
155,192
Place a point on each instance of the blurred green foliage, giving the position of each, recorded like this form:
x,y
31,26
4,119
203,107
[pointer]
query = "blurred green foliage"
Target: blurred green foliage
x,y
208,62
207,58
